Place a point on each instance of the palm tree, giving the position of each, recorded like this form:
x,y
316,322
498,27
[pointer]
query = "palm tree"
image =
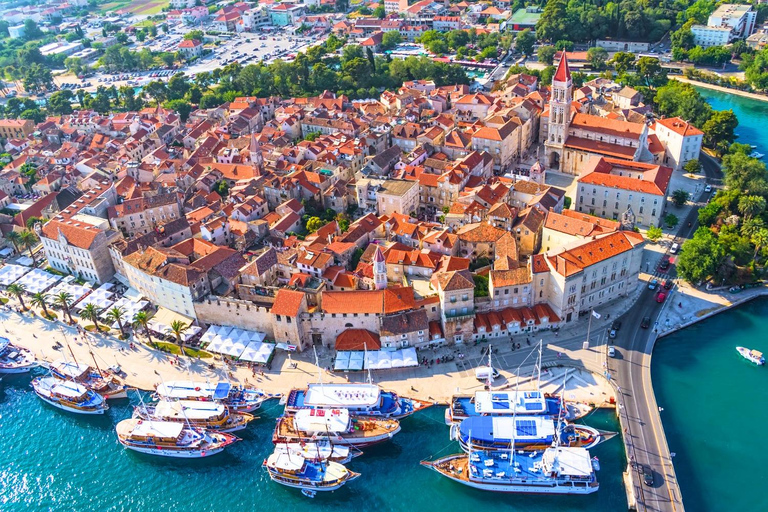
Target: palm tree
x,y
18,290
141,319
64,299
91,312
760,239
28,239
117,314
178,328
41,300
15,238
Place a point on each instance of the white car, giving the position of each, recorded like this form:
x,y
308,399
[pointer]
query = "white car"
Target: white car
x,y
611,352
708,189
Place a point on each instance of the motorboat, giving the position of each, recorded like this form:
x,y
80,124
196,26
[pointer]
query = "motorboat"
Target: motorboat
x,y
108,387
308,475
336,426
751,355
239,399
171,439
364,399
212,416
69,396
15,359
756,154
555,470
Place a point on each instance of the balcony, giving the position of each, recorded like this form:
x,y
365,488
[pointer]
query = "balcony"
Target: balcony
x,y
458,316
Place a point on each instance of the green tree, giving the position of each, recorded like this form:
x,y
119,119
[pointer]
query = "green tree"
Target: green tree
x,y
141,319
546,54
37,78
524,42
650,70
719,130
40,300
221,188
654,233
552,25
15,238
379,11
671,220
481,285
623,62
342,5
679,197
64,299
457,38
751,206
60,102
18,290
597,57
391,39
178,328
314,223
117,314
760,240
745,173
91,312
699,257
182,107
194,34
692,166
29,239
31,30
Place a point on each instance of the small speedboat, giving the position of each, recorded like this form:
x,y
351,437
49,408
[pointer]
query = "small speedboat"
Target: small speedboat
x,y
751,355
69,396
757,154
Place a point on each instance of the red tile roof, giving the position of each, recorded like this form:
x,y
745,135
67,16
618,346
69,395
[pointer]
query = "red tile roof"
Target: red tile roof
x,y
358,339
287,302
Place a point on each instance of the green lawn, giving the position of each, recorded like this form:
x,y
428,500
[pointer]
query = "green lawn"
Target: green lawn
x,y
174,349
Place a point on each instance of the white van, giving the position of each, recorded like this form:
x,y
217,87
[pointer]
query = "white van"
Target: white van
x,y
483,372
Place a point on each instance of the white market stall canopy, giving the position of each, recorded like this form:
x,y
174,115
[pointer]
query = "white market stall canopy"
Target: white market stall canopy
x,y
36,281
375,360
75,290
129,307
10,273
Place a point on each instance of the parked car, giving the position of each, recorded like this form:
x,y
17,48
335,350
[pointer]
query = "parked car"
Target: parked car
x,y
660,297
612,334
708,189
646,323
616,325
612,351
675,247
668,284
647,475
664,264
653,284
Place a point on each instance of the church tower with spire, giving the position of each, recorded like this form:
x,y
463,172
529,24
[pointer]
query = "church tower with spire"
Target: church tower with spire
x,y
559,114
379,270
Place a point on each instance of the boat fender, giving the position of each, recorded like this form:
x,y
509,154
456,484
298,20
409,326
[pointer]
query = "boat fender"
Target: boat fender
x,y
197,388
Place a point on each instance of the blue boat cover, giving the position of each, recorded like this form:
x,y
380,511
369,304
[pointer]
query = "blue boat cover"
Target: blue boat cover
x,y
222,390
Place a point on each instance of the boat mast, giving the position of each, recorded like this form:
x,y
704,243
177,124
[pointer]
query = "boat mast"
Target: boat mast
x,y
538,365
93,356
490,368
63,333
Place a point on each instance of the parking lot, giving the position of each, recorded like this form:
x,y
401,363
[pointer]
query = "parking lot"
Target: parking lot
x,y
246,48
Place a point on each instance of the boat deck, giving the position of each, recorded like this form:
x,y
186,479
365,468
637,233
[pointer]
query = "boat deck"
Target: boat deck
x,y
360,428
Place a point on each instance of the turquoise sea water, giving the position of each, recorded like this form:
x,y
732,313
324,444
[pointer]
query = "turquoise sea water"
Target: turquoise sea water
x,y
752,115
715,411
52,460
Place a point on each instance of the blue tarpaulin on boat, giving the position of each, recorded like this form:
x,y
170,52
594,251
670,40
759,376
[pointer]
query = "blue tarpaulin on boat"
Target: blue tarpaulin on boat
x,y
500,400
222,390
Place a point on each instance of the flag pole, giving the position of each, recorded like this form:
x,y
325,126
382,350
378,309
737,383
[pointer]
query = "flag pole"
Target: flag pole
x,y
589,326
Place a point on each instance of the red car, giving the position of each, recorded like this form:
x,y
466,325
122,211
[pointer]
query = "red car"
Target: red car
x,y
661,296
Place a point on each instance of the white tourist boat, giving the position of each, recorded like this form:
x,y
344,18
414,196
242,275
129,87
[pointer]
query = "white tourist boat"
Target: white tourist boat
x,y
69,396
208,415
336,426
107,386
238,398
751,355
306,474
364,399
15,359
556,470
171,439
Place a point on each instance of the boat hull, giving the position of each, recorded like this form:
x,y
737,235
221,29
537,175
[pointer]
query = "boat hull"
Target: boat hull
x,y
338,440
168,452
63,407
17,369
306,485
520,488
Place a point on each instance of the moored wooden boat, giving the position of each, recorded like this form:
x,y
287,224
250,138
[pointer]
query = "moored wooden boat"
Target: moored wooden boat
x,y
335,426
69,396
171,439
209,415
